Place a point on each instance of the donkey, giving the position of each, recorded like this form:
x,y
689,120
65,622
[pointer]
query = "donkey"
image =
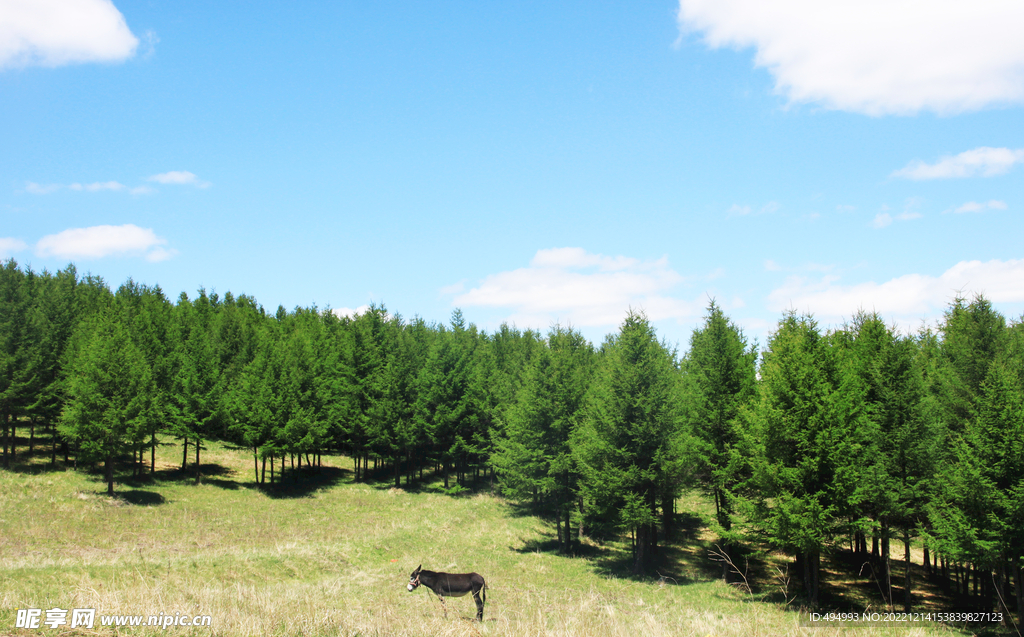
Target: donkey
x,y
452,585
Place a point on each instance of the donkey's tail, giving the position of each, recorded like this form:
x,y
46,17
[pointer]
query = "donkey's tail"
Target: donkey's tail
x,y
483,592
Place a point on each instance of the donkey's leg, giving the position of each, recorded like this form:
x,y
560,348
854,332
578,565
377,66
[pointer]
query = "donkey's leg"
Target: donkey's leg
x,y
444,606
479,606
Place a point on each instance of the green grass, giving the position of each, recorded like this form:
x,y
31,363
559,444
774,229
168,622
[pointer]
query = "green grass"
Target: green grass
x,y
330,557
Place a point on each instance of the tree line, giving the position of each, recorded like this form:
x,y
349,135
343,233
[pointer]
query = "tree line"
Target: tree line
x,y
822,440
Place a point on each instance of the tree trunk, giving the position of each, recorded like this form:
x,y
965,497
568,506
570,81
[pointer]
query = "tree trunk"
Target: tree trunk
x,y
906,562
7,460
886,565
110,474
199,445
1002,590
640,552
184,452
668,515
256,463
1018,572
812,594
152,458
568,535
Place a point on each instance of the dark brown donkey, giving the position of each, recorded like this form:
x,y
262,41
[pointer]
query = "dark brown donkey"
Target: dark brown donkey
x,y
452,585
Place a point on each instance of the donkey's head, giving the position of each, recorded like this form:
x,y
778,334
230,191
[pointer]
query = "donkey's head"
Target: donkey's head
x,y
414,578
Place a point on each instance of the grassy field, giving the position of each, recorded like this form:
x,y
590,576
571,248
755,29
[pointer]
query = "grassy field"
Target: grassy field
x,y
326,556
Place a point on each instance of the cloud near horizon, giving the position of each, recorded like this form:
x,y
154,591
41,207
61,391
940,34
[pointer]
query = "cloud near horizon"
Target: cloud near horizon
x,y
179,178
876,57
97,242
975,207
174,178
908,299
10,245
573,286
53,33
979,162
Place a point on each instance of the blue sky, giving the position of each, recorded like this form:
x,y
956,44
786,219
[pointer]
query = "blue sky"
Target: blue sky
x,y
526,162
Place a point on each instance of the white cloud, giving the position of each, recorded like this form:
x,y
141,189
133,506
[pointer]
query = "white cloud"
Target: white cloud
x,y
983,161
179,178
875,56
908,298
159,253
347,312
98,186
104,241
974,206
57,32
39,189
10,245
570,285
882,220
740,211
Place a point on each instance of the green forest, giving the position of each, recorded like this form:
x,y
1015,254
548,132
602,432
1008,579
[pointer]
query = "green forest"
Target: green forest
x,y
861,438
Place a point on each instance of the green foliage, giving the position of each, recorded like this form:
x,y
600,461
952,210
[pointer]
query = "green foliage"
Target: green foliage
x,y
632,448
110,391
534,457
860,430
719,375
809,434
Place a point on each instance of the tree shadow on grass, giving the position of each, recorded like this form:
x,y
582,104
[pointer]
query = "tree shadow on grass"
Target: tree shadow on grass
x,y
429,480
141,497
301,483
209,473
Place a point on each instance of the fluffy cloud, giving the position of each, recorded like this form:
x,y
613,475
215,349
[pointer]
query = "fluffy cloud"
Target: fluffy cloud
x,y
908,298
974,206
180,178
10,245
40,189
573,286
115,186
57,32
97,242
347,312
98,186
983,162
875,56
884,219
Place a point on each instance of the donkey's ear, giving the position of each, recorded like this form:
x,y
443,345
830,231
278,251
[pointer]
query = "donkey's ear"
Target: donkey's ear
x,y
418,568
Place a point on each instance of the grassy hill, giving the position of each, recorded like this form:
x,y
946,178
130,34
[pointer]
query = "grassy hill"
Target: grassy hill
x,y
325,556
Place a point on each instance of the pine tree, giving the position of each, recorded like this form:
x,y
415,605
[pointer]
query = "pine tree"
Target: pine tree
x,y
632,450
534,457
807,438
110,392
720,379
